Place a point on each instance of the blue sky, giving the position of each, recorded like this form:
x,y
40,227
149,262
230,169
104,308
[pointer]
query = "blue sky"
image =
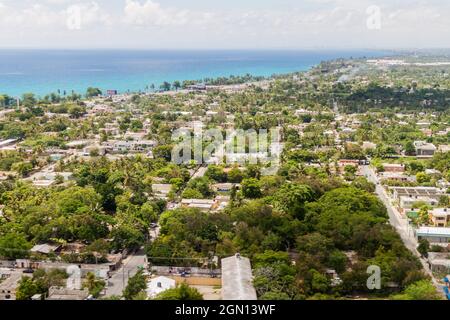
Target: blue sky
x,y
226,24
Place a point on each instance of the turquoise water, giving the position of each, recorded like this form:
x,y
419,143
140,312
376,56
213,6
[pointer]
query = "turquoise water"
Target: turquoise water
x,y
46,71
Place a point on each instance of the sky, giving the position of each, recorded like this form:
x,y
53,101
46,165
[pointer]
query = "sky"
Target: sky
x,y
225,24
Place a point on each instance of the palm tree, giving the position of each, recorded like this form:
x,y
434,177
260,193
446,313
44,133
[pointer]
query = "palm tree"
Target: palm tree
x,y
176,85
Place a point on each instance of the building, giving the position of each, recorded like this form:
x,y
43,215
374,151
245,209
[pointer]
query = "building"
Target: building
x,y
440,217
64,294
423,124
197,87
413,192
47,179
100,270
133,146
45,248
161,191
201,204
225,187
439,262
8,142
94,149
160,284
237,279
395,176
394,167
347,162
367,145
407,202
434,234
424,149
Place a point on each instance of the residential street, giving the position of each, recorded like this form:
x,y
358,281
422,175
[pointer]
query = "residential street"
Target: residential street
x,y
400,224
119,279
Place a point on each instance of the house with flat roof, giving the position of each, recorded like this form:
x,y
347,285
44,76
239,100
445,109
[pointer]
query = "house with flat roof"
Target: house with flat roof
x,y
237,279
394,167
434,193
64,294
440,217
225,187
47,179
395,176
161,191
407,202
201,204
439,261
133,146
159,284
424,149
433,234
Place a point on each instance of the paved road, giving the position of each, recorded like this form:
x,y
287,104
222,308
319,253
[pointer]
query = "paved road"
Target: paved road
x,y
400,223
119,279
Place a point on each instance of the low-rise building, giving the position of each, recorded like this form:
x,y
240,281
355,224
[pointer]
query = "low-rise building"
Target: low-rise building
x,y
237,279
47,179
433,234
133,146
431,192
440,217
424,149
407,202
225,187
45,248
161,191
201,204
159,284
64,294
439,261
395,176
367,145
394,167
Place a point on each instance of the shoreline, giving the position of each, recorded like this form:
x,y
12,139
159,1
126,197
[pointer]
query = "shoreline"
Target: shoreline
x,y
43,74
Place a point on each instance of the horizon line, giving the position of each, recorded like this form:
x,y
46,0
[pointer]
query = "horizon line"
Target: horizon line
x,y
232,49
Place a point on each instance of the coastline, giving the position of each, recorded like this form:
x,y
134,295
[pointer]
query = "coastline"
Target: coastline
x,y
44,72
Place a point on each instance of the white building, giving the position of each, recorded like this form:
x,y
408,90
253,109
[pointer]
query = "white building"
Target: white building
x,y
424,149
160,284
201,204
237,279
161,190
434,234
133,146
408,202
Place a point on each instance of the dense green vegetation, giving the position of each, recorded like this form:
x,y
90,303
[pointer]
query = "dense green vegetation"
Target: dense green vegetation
x,y
311,230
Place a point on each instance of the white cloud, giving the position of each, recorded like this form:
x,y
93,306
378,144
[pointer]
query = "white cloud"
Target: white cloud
x,y
308,22
152,14
41,17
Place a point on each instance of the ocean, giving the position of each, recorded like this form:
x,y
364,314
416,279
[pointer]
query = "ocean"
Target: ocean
x,y
44,71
